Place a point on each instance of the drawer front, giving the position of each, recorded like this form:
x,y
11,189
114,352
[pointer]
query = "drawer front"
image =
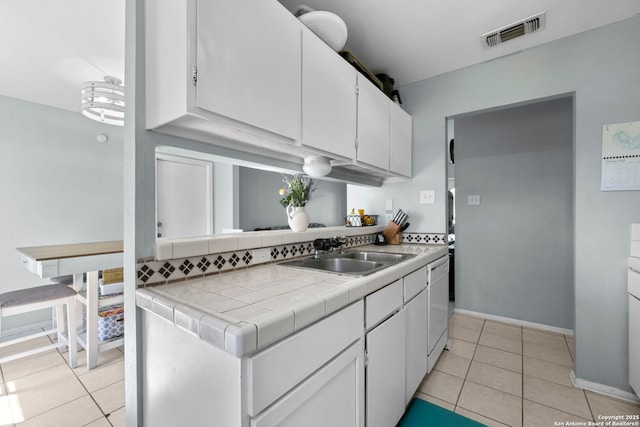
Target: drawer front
x,y
382,303
414,283
277,369
332,396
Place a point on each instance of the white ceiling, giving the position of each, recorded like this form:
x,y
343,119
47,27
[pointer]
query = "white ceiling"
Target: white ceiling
x,y
48,48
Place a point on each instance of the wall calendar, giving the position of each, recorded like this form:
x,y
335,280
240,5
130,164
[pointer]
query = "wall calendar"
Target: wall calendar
x,y
620,157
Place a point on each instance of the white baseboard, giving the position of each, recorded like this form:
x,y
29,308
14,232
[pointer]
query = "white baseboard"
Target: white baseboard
x,y
516,322
603,389
24,330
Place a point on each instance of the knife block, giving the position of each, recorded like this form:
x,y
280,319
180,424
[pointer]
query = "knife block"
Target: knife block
x,y
392,234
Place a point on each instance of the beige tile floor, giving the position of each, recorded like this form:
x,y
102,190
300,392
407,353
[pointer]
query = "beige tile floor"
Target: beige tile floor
x,y
503,375
42,390
495,373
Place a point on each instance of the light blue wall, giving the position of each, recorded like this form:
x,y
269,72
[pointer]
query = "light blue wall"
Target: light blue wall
x,y
601,67
58,184
514,251
260,207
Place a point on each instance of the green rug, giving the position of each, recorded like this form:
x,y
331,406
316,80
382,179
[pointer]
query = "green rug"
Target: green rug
x,y
422,414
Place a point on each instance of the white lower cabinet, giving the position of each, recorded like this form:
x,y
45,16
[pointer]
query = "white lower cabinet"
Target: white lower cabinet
x,y
333,396
385,371
385,364
279,369
417,343
357,367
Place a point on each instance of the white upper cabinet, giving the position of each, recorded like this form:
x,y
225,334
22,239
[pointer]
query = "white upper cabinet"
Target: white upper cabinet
x,y
248,57
251,77
373,125
399,141
328,99
223,68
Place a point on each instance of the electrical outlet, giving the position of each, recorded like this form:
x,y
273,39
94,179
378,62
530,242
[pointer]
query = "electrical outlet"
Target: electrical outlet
x,y
474,199
388,205
261,255
427,197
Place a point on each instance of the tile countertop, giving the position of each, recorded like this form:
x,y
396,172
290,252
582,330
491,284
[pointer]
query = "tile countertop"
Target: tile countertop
x,y
244,311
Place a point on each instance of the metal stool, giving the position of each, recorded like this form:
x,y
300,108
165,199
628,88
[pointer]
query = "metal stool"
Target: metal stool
x,y
38,298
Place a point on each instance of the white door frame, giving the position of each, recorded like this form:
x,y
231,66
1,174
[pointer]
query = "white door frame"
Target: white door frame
x,y
208,185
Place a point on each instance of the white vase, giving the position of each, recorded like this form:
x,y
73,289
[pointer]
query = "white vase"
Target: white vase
x,y
298,218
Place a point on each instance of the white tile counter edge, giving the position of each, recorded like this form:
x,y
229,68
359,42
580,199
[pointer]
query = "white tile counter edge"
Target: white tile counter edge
x,y
242,337
205,245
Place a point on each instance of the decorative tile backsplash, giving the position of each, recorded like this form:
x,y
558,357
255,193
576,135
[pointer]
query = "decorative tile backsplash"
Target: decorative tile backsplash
x,y
168,270
425,238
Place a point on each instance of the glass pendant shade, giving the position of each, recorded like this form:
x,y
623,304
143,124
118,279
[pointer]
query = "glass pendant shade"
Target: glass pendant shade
x,y
316,167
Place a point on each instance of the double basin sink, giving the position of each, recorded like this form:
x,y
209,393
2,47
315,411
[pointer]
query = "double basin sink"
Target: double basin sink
x,y
358,263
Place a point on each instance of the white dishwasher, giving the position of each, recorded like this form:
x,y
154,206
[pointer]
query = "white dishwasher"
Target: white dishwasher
x,y
438,311
634,323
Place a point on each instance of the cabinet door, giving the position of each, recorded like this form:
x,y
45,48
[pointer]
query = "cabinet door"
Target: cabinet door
x,y
416,343
400,134
328,99
333,396
248,58
386,372
373,125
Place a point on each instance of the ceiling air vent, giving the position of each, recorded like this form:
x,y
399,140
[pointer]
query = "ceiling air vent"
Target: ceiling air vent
x,y
512,31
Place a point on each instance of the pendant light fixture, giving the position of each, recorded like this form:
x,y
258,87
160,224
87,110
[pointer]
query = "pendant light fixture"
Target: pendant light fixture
x,y
104,101
316,167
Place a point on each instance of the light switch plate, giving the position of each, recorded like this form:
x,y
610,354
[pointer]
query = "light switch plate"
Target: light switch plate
x,y
388,205
427,197
474,199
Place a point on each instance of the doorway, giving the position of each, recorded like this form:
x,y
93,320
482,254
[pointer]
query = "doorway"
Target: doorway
x,y
183,197
514,212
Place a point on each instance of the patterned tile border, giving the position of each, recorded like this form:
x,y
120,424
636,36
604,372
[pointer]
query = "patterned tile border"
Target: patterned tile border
x,y
152,272
425,238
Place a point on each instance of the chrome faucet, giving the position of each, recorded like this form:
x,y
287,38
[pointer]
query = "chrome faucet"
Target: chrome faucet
x,y
321,246
337,242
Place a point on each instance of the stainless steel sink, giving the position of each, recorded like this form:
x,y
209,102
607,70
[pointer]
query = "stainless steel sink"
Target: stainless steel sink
x,y
359,263
385,257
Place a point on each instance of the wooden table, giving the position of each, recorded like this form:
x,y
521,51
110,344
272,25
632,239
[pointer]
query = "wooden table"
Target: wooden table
x,y
76,259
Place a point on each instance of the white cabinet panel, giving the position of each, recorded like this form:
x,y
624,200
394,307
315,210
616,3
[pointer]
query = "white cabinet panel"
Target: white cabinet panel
x,y
416,343
634,342
211,74
280,367
438,290
248,57
373,125
382,303
328,99
414,283
400,135
386,372
333,396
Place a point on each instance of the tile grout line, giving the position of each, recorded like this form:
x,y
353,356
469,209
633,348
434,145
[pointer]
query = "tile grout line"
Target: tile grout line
x,y
522,376
104,415
464,380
